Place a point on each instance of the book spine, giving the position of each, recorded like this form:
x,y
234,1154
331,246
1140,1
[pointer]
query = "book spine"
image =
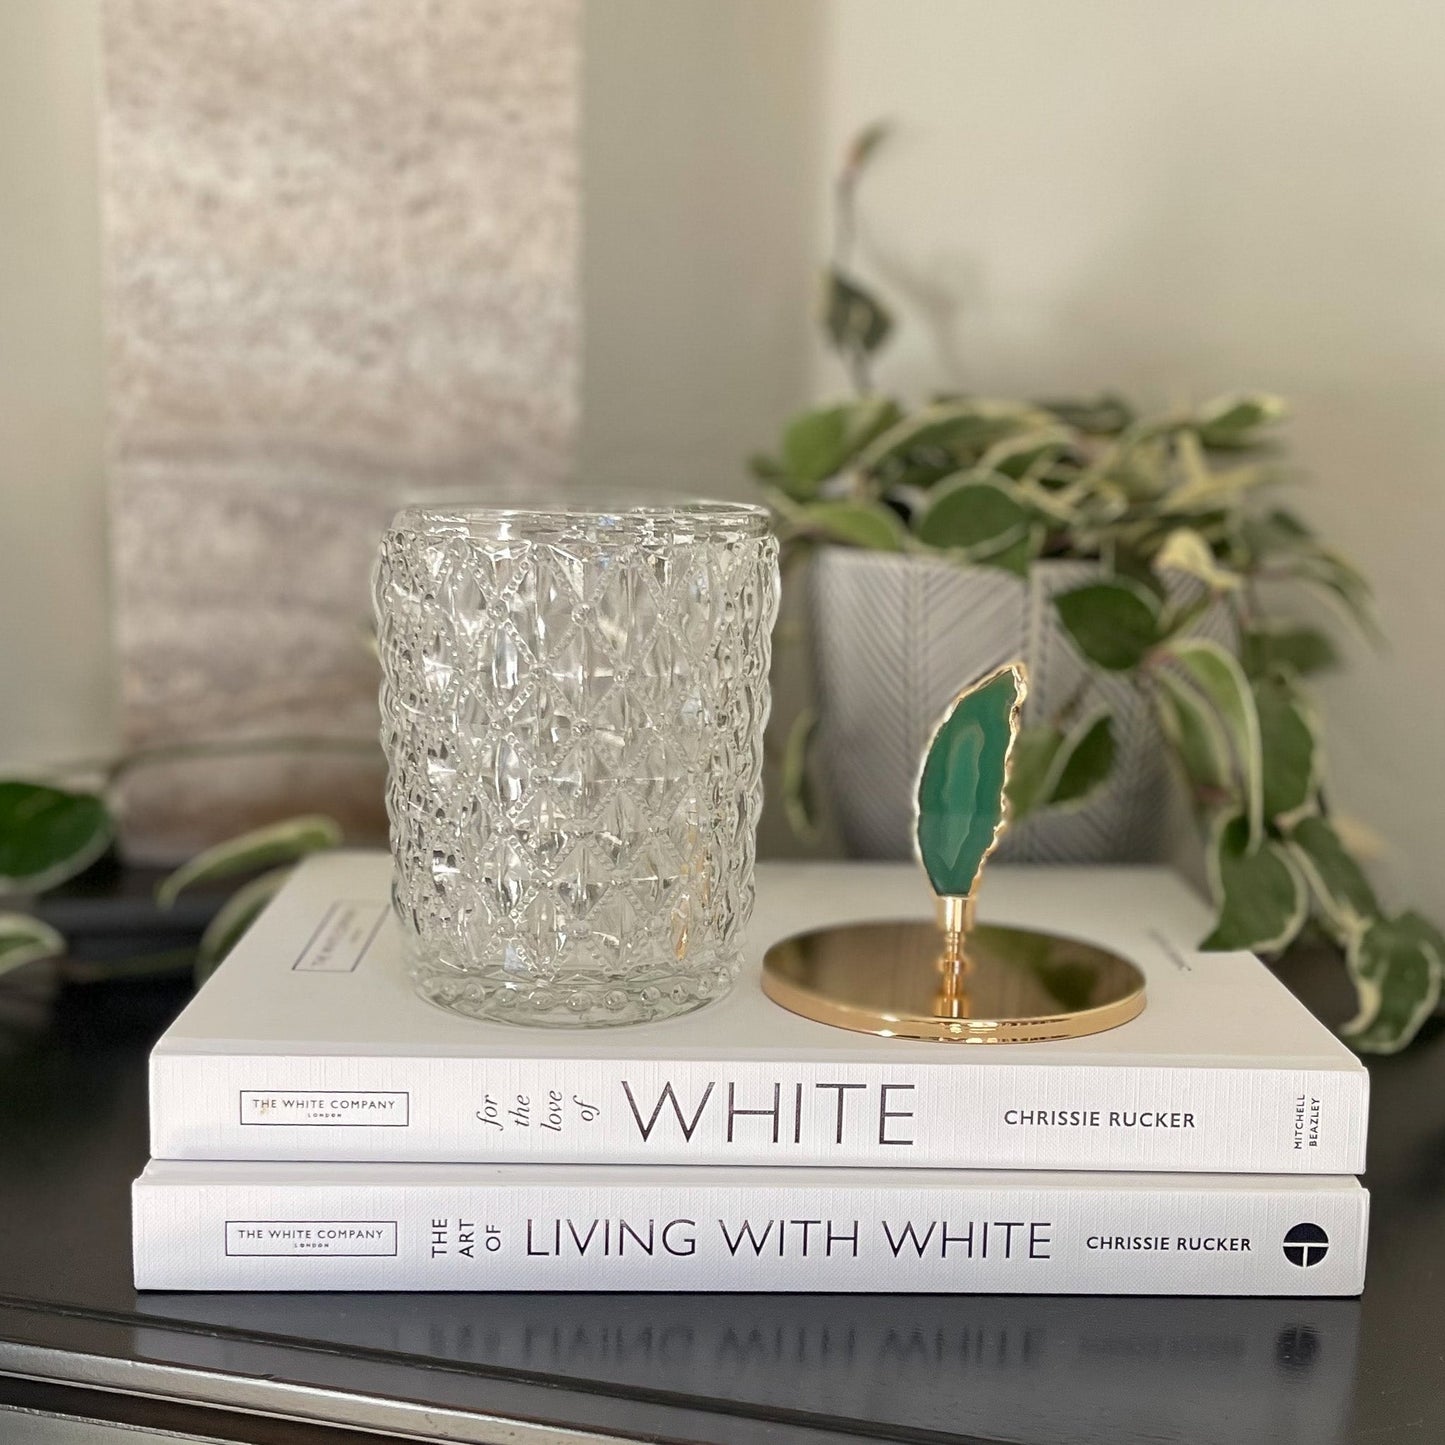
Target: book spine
x,y
1012,1116
1254,1240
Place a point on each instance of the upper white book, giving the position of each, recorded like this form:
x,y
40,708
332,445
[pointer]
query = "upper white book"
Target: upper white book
x,y
309,1044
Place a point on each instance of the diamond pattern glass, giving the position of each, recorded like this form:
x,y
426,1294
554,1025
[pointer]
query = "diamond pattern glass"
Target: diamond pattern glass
x,y
573,707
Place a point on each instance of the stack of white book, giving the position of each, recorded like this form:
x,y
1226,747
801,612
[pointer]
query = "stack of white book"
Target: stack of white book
x,y
317,1126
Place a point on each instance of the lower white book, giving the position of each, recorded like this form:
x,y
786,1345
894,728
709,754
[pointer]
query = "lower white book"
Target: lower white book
x,y
288,1226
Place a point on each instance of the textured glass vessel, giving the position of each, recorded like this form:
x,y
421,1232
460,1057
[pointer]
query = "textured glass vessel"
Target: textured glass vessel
x,y
572,708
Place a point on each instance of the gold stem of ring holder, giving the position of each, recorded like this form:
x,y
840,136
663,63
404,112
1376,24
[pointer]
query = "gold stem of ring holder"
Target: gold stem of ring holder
x,y
955,919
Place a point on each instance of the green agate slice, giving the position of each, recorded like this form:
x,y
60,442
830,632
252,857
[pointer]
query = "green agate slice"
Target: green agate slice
x,y
961,788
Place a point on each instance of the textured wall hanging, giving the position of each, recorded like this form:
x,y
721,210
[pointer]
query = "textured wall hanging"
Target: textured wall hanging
x,y
341,251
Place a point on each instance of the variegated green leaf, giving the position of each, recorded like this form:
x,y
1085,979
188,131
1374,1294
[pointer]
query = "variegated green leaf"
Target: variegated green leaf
x,y
48,835
1114,623
1049,768
1193,729
1031,768
1261,897
1341,891
1205,489
858,524
1185,550
1104,415
818,444
1028,451
1396,967
1286,651
1220,682
976,516
282,842
24,939
1084,762
957,428
1228,422
1343,583
1289,750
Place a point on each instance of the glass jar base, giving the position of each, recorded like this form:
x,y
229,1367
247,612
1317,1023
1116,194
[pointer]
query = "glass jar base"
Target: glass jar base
x,y
496,996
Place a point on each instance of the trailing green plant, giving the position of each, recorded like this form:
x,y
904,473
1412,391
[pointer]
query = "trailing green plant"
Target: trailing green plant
x,y
51,833
1180,513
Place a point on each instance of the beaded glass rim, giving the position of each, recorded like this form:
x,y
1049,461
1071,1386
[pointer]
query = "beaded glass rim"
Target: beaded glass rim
x,y
627,521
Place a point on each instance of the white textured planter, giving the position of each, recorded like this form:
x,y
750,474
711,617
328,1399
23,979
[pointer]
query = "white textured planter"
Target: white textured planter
x,y
894,639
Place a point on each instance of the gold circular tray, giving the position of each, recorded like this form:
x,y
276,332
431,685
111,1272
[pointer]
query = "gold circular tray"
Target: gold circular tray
x,y
1017,986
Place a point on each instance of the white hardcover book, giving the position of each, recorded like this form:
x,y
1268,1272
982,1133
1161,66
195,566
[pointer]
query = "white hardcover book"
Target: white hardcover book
x,y
250,1226
309,1044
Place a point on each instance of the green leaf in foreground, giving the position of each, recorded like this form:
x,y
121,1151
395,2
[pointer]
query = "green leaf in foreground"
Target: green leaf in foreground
x,y
48,835
978,517
1234,421
1338,883
234,917
1085,761
1031,769
1018,556
24,939
1105,415
955,428
1185,550
1396,967
858,524
1112,623
1261,897
1289,750
1301,651
282,842
1221,684
818,444
1193,730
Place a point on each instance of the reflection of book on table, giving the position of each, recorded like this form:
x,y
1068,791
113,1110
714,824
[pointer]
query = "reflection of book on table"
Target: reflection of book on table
x,y
1133,1372
309,1043
1020,1368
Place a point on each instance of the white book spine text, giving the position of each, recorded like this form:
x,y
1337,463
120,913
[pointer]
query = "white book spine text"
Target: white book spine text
x,y
965,1237
657,1111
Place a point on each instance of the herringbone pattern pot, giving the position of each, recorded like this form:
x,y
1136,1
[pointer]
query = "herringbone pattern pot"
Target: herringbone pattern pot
x,y
894,639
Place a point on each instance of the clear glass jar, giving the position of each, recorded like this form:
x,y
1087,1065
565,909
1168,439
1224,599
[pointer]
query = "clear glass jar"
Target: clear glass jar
x,y
573,706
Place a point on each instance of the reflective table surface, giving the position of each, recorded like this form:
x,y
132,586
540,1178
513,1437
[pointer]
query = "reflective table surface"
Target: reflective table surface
x,y
76,1339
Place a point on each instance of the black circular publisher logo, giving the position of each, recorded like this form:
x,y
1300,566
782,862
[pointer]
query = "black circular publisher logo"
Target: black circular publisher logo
x,y
1306,1244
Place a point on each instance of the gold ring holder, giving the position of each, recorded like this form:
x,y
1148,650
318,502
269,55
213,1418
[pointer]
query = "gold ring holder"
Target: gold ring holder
x,y
954,980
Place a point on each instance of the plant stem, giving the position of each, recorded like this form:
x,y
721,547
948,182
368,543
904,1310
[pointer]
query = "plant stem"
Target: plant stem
x,y
845,228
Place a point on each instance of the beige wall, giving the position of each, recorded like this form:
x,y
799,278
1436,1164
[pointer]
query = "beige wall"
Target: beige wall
x,y
700,169
56,668
1172,199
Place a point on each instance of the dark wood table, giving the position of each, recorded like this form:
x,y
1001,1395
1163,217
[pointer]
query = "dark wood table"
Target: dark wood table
x,y
75,1337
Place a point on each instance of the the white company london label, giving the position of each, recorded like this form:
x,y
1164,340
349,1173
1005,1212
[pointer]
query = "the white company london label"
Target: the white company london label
x,y
288,1238
338,1108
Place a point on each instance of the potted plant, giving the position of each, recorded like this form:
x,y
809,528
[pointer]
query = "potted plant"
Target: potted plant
x,y
1146,570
